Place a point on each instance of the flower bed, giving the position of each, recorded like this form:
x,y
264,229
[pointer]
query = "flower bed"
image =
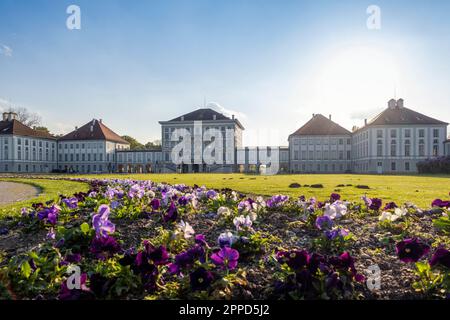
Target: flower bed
x,y
128,239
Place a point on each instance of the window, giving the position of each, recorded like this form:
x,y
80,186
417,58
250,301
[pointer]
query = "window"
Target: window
x,y
311,155
341,141
296,155
348,155
407,133
421,133
393,148
407,148
435,133
406,166
341,155
318,155
379,133
393,133
379,148
421,148
393,166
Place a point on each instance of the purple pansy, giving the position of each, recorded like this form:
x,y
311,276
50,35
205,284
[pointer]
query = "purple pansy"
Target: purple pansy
x,y
296,259
375,204
104,247
335,197
442,257
440,203
101,223
155,204
324,223
201,279
226,258
390,205
411,250
71,203
171,213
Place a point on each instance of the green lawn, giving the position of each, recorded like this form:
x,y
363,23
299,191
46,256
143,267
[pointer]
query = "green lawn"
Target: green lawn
x,y
48,189
421,190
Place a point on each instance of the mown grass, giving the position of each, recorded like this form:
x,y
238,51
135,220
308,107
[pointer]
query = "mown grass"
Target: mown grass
x,y
48,189
419,189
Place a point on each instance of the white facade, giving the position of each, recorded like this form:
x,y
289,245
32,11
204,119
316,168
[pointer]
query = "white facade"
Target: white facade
x,y
316,153
139,161
223,125
88,156
27,154
391,149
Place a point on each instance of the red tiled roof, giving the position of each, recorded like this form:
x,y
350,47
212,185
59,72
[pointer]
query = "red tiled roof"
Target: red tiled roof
x,y
402,115
16,127
93,130
321,126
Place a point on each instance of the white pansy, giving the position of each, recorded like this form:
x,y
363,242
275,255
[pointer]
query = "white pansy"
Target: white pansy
x,y
186,229
335,210
224,211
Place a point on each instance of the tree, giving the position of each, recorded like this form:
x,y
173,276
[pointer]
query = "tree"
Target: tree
x,y
154,144
28,118
134,144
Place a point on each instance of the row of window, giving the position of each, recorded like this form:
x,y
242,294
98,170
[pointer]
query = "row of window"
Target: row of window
x,y
321,168
322,155
324,141
84,157
407,148
33,143
92,145
407,133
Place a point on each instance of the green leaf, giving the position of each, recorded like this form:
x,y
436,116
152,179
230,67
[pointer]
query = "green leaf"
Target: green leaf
x,y
422,267
25,268
84,228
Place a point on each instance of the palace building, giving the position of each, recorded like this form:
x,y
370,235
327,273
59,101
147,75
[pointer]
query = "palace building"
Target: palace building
x,y
394,141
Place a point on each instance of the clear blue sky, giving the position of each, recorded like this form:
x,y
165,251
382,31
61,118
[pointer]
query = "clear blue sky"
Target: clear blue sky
x,y
276,62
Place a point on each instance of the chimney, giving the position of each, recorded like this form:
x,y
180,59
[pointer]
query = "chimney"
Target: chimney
x,y
365,122
182,118
100,120
400,103
214,117
5,116
76,128
314,115
329,116
392,103
232,116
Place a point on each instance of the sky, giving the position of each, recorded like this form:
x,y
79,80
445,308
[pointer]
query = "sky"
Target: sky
x,y
271,63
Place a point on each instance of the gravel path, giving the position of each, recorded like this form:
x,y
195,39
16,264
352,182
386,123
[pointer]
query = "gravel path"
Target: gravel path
x,y
11,192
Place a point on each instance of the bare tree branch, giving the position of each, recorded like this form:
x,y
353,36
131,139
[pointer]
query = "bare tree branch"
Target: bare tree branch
x,y
26,117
